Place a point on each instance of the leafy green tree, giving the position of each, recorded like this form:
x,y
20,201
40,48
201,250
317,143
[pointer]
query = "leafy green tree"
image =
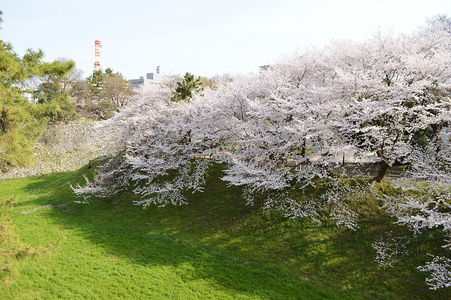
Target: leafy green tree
x,y
19,126
54,101
185,89
21,122
117,91
95,81
109,92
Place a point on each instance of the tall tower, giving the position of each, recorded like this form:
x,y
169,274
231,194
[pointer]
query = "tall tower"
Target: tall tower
x,y
98,46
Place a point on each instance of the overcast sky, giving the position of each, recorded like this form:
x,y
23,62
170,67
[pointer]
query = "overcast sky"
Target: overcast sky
x,y
204,37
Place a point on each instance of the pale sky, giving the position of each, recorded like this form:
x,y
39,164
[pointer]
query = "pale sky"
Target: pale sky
x,y
204,37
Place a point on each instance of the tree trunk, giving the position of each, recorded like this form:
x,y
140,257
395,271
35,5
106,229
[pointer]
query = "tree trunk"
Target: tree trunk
x,y
303,149
3,119
382,170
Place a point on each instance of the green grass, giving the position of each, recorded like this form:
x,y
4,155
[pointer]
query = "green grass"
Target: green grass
x,y
213,248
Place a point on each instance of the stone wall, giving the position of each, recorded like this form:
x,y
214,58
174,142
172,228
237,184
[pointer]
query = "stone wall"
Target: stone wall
x,y
65,146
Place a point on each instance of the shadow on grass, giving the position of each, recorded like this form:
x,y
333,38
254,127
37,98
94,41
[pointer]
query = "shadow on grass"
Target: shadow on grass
x,y
173,236
229,243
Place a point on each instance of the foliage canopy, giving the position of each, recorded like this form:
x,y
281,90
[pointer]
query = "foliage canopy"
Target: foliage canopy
x,y
21,122
186,89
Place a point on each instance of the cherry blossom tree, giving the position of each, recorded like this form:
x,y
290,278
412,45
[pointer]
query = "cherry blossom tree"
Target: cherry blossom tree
x,y
149,141
397,99
391,90
425,203
279,128
279,131
285,135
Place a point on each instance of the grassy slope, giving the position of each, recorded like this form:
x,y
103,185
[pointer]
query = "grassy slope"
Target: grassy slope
x,y
214,248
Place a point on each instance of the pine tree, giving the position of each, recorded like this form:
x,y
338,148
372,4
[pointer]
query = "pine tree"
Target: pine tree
x,y
21,123
18,125
186,88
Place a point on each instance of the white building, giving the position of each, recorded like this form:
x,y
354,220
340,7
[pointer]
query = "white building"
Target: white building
x,y
151,78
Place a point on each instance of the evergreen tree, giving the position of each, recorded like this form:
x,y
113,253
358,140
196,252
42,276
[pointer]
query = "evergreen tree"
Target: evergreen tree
x,y
54,101
21,122
18,125
187,88
95,82
109,92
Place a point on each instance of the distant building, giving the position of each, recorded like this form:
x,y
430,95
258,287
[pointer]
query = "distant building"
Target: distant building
x,y
151,78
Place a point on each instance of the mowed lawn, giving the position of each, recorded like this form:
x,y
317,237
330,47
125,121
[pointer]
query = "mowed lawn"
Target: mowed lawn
x,y
214,248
